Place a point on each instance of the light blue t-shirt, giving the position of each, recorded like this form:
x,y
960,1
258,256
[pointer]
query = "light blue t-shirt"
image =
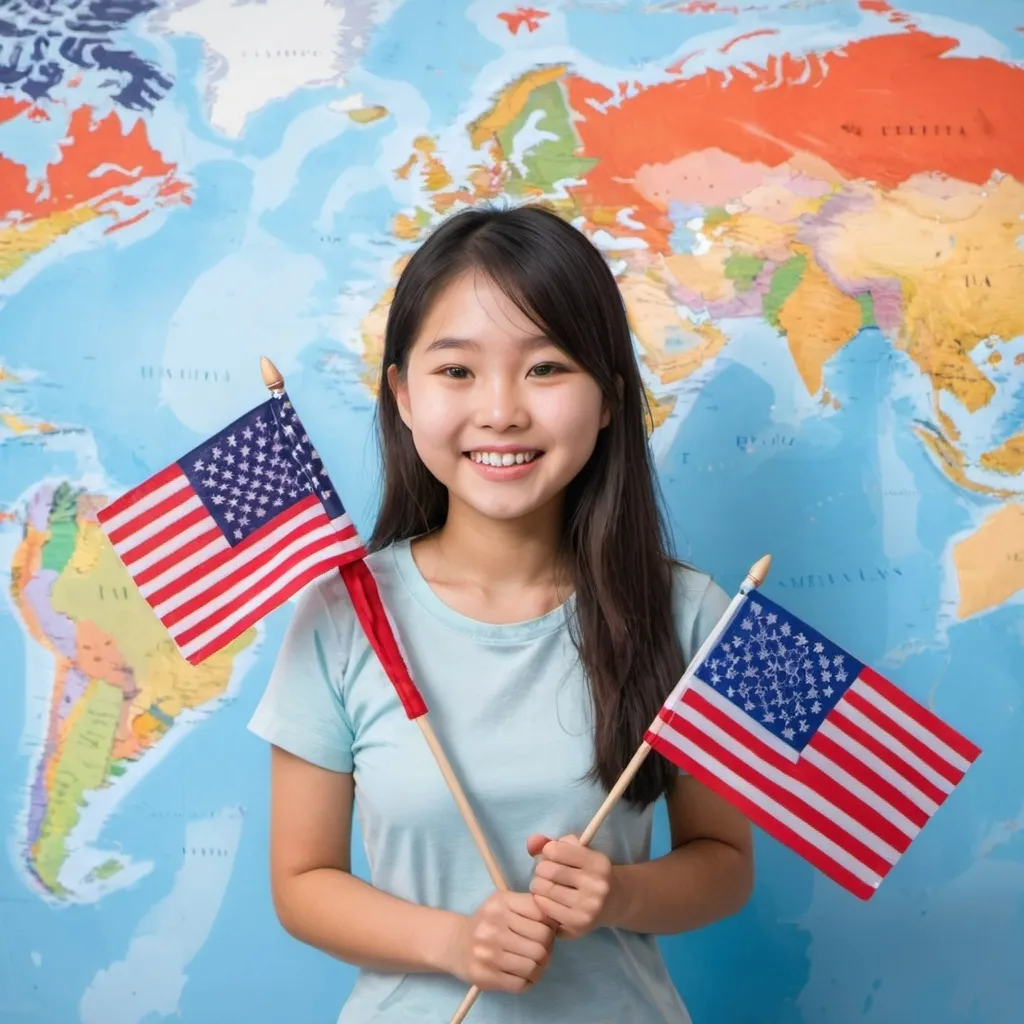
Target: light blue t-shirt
x,y
510,706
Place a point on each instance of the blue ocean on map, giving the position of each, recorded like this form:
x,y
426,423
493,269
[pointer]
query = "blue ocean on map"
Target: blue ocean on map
x,y
831,332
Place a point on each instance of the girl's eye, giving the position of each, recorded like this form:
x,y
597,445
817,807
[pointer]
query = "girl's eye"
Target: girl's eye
x,y
457,372
546,369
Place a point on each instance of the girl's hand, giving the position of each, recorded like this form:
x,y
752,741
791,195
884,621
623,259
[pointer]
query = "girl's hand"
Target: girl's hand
x,y
571,883
504,945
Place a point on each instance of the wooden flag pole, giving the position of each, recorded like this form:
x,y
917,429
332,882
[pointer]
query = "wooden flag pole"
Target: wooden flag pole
x,y
275,382
754,578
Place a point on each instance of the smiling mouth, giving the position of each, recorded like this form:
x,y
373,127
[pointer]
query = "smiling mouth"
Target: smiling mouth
x,y
486,458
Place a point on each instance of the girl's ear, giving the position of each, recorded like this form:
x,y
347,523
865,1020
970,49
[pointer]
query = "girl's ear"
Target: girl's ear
x,y
401,392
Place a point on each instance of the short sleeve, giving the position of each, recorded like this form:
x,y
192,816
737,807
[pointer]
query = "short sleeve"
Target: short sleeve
x,y
302,710
699,603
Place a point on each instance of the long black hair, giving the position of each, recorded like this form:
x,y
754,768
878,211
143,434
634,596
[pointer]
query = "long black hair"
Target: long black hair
x,y
614,536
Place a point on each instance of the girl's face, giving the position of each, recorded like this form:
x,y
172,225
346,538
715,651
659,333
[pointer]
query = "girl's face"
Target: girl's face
x,y
498,413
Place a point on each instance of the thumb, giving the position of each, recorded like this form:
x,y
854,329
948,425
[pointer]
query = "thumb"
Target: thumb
x,y
535,843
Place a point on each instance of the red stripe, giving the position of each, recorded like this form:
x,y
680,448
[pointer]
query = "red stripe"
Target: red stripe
x,y
768,822
229,633
228,554
910,707
928,755
151,515
885,754
255,570
842,758
235,574
137,493
164,536
805,772
178,555
783,797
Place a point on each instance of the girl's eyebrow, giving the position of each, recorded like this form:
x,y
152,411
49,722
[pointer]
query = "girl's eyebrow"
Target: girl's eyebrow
x,y
530,341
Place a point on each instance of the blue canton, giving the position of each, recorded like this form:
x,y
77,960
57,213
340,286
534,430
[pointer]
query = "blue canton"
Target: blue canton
x,y
256,468
778,670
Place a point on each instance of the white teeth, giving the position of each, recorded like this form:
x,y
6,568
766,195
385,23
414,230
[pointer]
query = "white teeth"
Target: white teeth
x,y
502,458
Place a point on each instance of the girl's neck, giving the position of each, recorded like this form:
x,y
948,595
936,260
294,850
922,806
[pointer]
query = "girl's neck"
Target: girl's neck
x,y
496,570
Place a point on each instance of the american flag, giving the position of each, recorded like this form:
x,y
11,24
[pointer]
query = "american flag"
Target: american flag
x,y
813,746
218,539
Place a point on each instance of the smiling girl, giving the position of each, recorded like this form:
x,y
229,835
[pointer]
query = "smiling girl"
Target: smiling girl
x,y
520,551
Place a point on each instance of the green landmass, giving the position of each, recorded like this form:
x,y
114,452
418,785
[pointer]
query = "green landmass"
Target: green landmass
x,y
63,526
867,310
742,269
548,160
82,765
783,284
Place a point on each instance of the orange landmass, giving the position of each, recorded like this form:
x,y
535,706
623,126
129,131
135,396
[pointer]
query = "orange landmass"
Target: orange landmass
x,y
990,562
11,108
953,463
99,161
818,320
888,107
1008,458
528,17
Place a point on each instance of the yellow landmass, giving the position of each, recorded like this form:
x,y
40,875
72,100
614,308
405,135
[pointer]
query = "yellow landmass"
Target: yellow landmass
x,y
510,103
371,331
990,562
405,170
961,268
949,428
818,320
6,377
17,425
18,244
135,680
404,227
954,464
703,274
367,115
435,174
751,233
660,409
672,345
95,591
1008,457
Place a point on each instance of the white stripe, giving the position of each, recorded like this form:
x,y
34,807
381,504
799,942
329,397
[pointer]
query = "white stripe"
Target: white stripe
x,y
176,543
877,765
777,811
143,533
915,728
242,558
328,556
264,570
744,721
181,568
799,789
908,757
343,522
863,792
349,544
137,508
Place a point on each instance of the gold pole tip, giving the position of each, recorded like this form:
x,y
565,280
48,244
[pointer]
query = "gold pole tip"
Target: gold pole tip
x,y
759,570
271,375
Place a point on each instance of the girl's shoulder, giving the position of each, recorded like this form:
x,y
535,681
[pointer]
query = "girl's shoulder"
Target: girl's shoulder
x,y
324,613
698,602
